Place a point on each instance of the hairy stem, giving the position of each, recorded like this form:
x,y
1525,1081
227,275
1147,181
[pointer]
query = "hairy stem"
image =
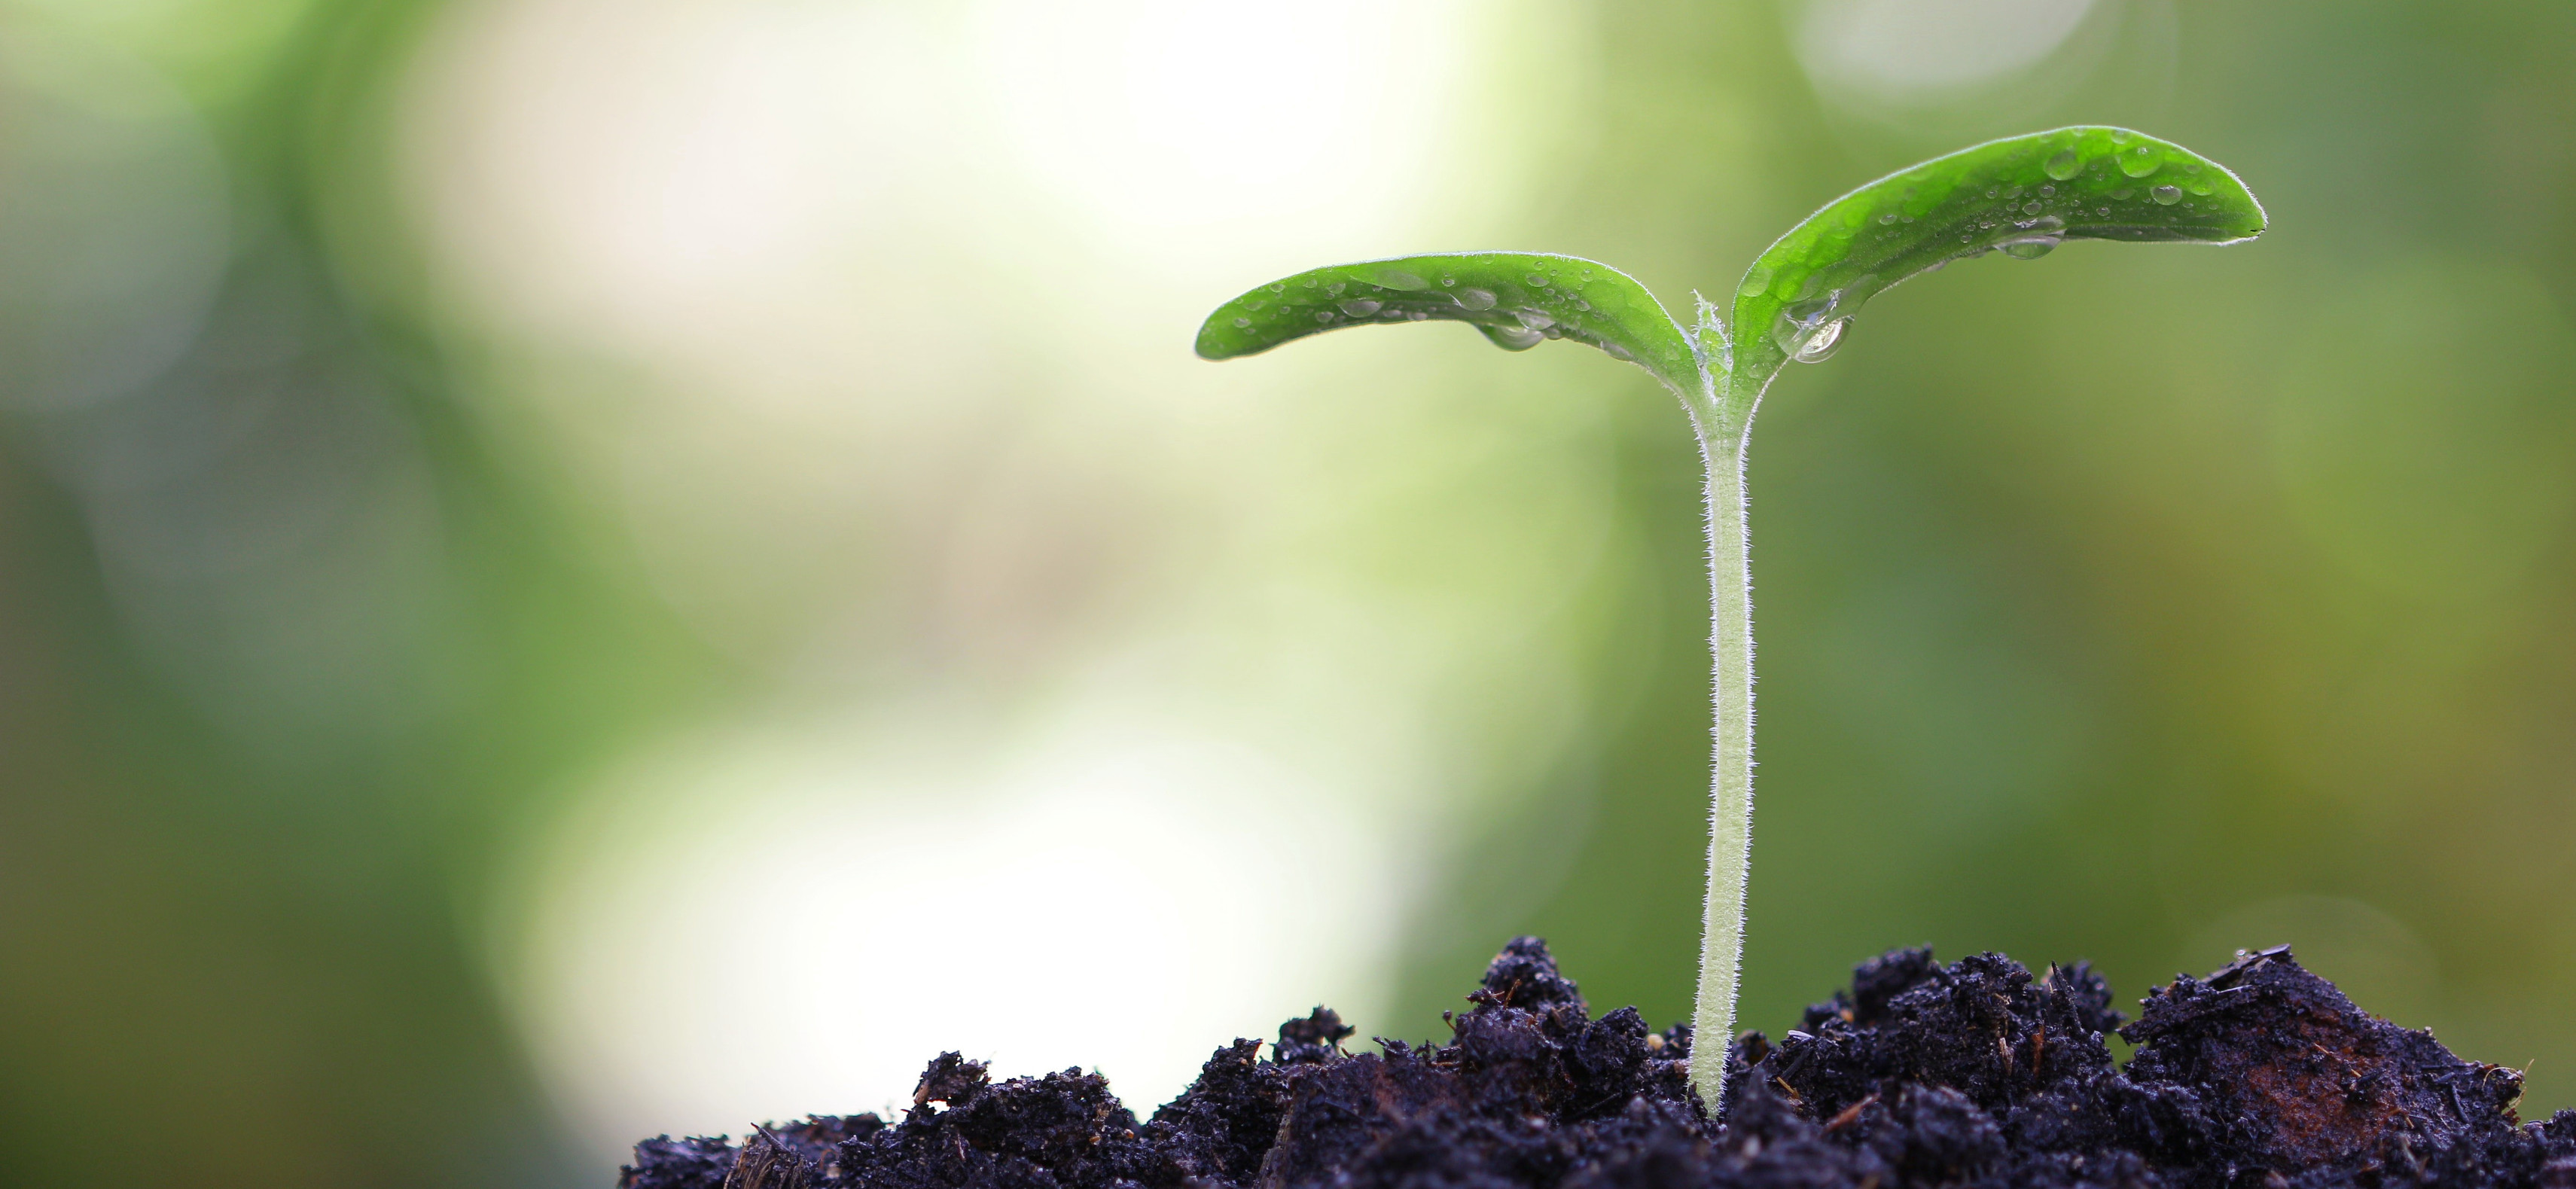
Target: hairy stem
x,y
1730,816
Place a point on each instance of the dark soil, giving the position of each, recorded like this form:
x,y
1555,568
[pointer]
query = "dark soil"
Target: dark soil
x,y
1971,1074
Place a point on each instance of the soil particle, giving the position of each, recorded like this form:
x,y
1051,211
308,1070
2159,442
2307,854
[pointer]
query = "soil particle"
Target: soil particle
x,y
1975,1074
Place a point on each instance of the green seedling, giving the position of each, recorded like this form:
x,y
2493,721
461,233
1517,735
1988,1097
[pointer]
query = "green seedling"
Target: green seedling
x,y
2022,196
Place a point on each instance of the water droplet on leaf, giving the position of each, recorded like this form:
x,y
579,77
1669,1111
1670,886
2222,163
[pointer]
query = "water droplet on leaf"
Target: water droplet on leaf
x,y
1396,278
1889,217
1514,338
1359,307
1476,299
1533,318
1538,281
1323,315
2064,165
2167,195
2140,162
2122,194
1241,323
2030,247
1755,281
1821,345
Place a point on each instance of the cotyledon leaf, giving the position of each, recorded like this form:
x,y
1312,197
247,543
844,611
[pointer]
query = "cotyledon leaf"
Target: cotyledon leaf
x,y
1517,299
2021,196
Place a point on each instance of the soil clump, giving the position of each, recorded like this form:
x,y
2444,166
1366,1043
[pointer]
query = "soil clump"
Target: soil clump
x,y
1974,1074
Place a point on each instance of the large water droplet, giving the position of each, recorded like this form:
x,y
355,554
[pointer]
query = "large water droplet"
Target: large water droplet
x,y
1821,345
1359,307
2141,161
2167,195
2064,165
1538,281
1396,278
2030,247
1514,338
1476,299
2030,208
2122,194
1616,351
1534,319
1755,281
1323,315
2202,188
1808,331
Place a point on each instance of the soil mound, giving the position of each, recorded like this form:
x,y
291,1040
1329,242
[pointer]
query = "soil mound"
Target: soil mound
x,y
1971,1074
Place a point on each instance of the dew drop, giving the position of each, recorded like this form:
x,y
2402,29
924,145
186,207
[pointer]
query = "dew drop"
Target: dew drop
x,y
2029,247
1323,315
2201,188
1538,281
1241,323
1514,338
1616,351
1359,307
2122,194
2048,191
2012,193
1821,345
2063,166
1279,287
1755,281
2101,210
1808,331
2140,162
2030,208
1476,299
1335,289
2167,195
1396,278
1991,191
1255,303
2191,167
1418,315
1534,319
1447,281
1889,217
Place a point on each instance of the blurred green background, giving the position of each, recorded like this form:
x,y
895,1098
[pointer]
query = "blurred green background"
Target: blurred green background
x,y
572,569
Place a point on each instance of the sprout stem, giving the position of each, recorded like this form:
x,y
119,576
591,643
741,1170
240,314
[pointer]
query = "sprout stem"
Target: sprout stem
x,y
1730,813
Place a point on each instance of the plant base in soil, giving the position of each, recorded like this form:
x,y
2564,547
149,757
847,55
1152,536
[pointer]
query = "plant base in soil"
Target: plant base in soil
x,y
1970,1074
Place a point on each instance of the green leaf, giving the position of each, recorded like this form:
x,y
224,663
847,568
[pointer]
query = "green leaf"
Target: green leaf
x,y
2021,196
1517,299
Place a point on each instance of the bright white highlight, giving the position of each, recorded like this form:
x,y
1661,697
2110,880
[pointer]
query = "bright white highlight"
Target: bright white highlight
x,y
795,922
